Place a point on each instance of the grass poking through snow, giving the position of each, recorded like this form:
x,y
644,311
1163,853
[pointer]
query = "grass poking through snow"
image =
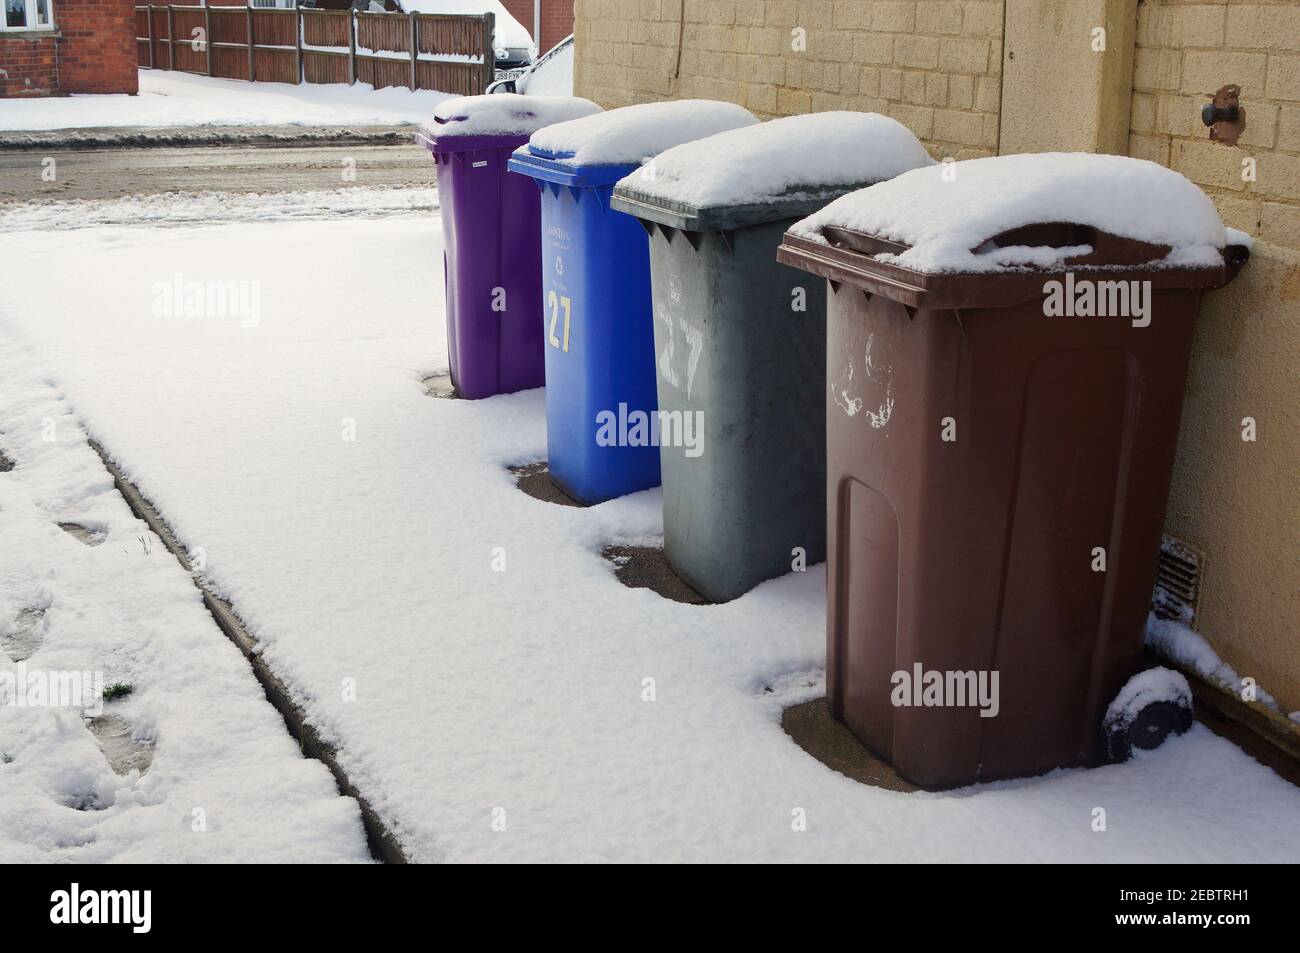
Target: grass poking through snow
x,y
118,690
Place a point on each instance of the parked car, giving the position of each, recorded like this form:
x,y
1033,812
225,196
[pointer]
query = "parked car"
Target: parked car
x,y
511,61
552,75
512,46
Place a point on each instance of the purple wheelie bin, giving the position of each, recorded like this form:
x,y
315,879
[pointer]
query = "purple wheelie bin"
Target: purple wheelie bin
x,y
492,237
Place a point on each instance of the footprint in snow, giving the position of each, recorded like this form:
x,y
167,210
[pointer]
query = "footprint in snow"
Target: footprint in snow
x,y
24,635
91,537
123,752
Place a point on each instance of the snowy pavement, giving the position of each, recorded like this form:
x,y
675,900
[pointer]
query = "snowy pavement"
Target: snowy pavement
x,y
175,100
489,685
187,209
192,764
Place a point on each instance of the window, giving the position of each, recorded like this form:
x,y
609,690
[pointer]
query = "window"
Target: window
x,y
282,4
26,15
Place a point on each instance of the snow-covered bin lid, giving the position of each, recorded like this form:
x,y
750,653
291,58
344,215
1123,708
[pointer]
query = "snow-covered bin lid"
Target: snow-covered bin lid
x,y
633,134
778,169
973,216
498,115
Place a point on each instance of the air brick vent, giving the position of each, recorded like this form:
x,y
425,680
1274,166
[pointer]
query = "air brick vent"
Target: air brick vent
x,y
1178,581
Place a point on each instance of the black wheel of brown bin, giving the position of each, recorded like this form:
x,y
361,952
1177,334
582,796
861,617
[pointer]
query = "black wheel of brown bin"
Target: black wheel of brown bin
x,y
1149,728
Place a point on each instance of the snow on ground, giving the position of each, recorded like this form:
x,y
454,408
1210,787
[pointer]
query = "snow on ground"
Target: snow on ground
x,y
195,734
169,99
515,696
184,209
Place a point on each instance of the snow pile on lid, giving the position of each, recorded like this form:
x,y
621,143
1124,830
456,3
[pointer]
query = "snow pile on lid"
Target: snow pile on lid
x,y
633,134
505,114
949,213
781,158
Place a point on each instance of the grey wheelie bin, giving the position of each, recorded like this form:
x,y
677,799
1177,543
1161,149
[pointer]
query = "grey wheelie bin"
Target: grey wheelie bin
x,y
740,340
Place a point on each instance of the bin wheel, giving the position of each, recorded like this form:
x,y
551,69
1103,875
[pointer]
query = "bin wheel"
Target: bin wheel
x,y
1151,706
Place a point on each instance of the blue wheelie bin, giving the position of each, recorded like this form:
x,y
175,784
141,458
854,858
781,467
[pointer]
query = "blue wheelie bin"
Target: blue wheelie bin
x,y
601,403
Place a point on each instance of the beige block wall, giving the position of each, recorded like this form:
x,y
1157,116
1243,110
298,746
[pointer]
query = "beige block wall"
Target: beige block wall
x,y
934,66
1238,502
1068,75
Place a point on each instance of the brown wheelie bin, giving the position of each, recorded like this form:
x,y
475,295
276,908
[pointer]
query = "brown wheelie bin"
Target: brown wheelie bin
x,y
982,458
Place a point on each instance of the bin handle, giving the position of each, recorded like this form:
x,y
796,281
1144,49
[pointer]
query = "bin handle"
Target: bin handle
x,y
861,241
523,112
1107,248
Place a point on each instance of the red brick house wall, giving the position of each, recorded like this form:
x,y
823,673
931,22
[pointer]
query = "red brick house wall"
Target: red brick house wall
x,y
557,19
30,65
97,46
90,50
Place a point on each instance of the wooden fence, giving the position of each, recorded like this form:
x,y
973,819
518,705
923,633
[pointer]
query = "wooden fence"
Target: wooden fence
x,y
449,53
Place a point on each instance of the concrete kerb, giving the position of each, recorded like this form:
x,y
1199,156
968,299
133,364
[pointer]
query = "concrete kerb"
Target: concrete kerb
x,y
383,845
56,140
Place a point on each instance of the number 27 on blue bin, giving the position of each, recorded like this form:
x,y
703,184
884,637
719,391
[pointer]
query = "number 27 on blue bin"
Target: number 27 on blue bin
x,y
556,302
